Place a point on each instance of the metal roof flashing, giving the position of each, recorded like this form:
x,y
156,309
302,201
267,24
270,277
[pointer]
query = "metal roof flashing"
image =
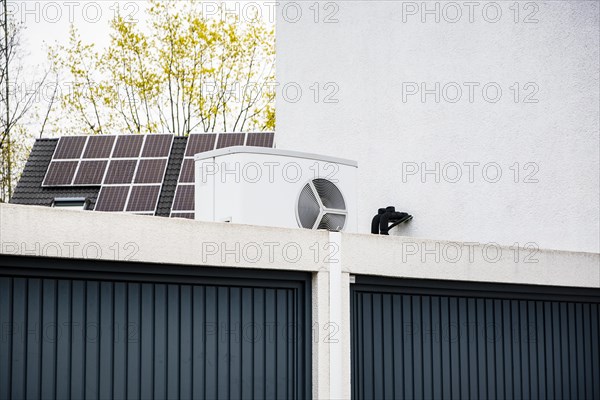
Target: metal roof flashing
x,y
275,152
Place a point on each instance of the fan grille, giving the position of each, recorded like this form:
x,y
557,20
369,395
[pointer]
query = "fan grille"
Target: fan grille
x,y
321,205
308,208
330,194
332,222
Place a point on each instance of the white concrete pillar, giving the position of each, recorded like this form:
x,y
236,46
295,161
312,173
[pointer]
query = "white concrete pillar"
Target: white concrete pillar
x,y
331,326
336,341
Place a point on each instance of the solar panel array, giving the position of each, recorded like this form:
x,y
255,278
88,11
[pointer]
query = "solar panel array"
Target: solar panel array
x,y
184,202
129,168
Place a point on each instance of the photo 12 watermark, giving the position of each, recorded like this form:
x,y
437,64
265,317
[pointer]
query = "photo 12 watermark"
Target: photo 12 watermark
x,y
61,12
428,252
267,172
235,92
78,250
518,172
469,92
272,252
94,12
454,12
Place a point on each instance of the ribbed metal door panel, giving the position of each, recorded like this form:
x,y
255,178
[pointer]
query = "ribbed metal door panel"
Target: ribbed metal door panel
x,y
432,340
136,337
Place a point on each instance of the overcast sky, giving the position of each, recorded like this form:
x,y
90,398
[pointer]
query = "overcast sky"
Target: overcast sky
x,y
48,22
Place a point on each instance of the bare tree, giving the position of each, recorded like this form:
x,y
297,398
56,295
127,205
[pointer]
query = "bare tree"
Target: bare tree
x,y
184,72
16,100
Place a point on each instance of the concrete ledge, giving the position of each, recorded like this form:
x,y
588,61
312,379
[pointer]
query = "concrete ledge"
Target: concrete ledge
x,y
407,257
41,231
50,232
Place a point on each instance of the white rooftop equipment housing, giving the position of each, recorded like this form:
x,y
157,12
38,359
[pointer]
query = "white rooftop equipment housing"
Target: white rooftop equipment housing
x,y
281,188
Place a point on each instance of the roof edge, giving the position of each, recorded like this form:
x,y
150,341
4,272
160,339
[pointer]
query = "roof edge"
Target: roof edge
x,y
275,152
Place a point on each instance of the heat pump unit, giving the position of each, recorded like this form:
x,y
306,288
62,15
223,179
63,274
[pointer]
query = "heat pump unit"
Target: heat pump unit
x,y
271,187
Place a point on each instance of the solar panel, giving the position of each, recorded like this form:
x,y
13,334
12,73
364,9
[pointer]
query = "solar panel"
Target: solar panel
x,y
60,173
199,143
90,172
150,171
122,165
131,168
184,198
112,198
231,139
187,171
120,172
128,146
260,139
143,198
69,148
99,147
157,145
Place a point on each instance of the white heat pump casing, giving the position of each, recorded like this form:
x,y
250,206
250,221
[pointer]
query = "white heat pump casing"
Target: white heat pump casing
x,y
261,186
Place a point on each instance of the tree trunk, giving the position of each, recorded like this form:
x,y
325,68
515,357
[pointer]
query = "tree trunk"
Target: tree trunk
x,y
7,127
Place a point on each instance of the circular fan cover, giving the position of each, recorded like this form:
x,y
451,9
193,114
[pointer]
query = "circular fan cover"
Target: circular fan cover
x,y
321,205
308,207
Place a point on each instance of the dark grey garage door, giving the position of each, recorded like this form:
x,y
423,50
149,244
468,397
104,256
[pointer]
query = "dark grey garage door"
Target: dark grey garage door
x,y
82,329
440,340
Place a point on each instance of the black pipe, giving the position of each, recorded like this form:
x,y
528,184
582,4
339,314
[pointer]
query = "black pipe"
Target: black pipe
x,y
387,217
381,222
375,222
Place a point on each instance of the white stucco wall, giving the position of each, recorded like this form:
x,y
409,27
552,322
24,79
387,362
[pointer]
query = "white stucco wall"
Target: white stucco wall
x,y
378,47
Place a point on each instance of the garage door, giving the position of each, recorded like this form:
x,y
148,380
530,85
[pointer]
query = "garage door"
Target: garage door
x,y
82,329
441,340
